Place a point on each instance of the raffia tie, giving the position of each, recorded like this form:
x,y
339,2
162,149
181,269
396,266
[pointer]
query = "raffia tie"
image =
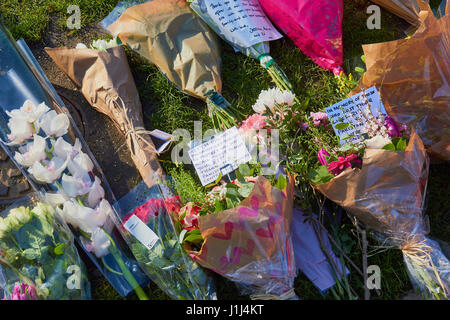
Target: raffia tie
x,y
420,253
285,296
133,133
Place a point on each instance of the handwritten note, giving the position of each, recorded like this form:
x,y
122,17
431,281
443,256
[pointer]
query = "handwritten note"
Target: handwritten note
x,y
242,22
345,118
222,153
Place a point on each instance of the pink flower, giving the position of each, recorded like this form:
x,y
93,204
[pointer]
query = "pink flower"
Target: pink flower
x,y
22,291
336,167
321,155
304,126
190,220
392,127
253,122
319,118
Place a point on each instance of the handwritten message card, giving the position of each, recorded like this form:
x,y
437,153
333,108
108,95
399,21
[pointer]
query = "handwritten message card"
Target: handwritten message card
x,y
242,22
222,153
345,118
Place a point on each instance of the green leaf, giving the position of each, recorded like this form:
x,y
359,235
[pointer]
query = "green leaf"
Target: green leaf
x,y
244,169
401,144
341,126
59,249
182,233
320,175
194,236
218,206
346,136
360,70
31,254
246,189
389,146
282,182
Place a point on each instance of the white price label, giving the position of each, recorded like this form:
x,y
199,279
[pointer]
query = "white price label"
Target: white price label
x,y
141,231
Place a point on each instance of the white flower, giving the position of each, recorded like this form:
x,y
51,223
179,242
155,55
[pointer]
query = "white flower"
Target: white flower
x,y
62,149
85,218
29,111
49,170
56,199
100,243
377,142
21,130
80,164
101,44
76,185
81,46
272,97
54,124
32,152
96,193
284,97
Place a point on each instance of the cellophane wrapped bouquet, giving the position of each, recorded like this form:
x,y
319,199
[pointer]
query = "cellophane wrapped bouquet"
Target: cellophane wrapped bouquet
x,y
377,169
38,133
38,257
241,230
151,235
169,35
250,35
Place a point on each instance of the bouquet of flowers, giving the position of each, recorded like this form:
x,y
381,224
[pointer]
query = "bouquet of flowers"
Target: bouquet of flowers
x,y
152,238
377,170
106,82
314,26
241,230
250,35
412,77
38,255
173,38
48,148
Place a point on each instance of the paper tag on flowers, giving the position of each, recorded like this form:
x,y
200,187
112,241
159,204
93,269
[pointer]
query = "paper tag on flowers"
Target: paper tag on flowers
x,y
222,153
141,231
243,22
348,116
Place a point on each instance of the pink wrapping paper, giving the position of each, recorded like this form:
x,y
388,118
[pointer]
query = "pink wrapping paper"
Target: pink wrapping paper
x,y
315,26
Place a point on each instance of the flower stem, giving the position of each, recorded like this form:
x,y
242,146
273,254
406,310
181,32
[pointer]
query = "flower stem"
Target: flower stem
x,y
126,272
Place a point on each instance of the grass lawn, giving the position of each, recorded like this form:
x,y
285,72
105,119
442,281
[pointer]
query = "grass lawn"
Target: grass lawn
x,y
167,109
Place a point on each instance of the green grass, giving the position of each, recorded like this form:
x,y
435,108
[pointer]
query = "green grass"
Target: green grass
x,y
167,108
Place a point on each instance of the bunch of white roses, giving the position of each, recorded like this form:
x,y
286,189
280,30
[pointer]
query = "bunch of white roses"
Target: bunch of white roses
x,y
50,159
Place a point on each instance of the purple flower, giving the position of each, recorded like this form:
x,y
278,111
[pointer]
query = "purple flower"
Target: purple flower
x,y
321,155
319,118
392,127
